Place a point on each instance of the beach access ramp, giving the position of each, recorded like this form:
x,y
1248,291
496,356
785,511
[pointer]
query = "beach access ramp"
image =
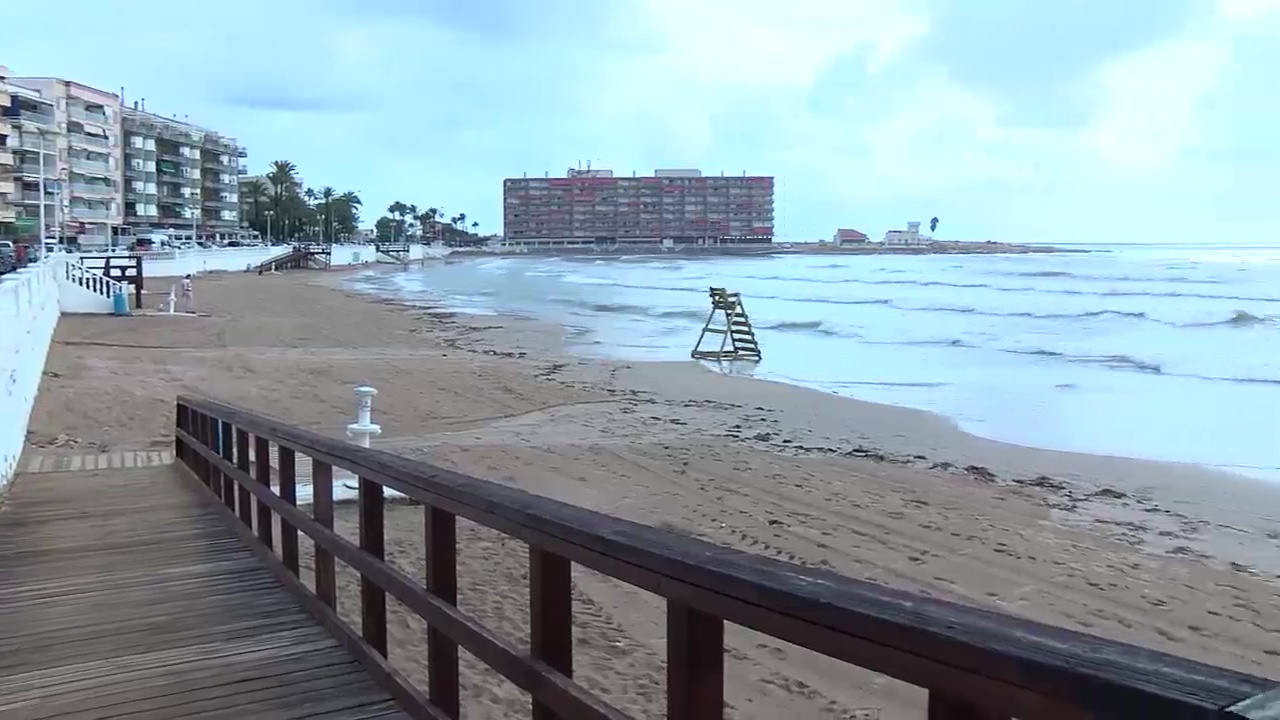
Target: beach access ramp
x,y
123,593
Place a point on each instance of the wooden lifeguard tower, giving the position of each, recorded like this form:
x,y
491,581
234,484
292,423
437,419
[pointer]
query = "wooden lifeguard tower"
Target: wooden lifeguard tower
x,y
737,339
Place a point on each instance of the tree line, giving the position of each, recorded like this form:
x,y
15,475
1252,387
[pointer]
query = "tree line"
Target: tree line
x,y
406,222
280,208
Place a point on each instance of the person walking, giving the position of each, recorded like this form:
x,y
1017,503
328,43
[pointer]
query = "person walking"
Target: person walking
x,y
188,302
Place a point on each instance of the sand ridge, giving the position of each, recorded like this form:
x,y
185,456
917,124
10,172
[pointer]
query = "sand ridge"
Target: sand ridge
x,y
875,492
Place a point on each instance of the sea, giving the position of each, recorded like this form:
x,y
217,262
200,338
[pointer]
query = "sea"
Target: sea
x,y
1156,351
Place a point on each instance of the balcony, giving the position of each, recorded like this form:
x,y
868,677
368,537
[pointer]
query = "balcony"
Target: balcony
x,y
6,158
242,170
33,170
88,140
27,197
89,116
90,213
92,190
32,117
7,187
32,142
91,166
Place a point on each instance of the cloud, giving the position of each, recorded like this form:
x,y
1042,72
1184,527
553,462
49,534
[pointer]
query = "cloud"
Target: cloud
x,y
1009,120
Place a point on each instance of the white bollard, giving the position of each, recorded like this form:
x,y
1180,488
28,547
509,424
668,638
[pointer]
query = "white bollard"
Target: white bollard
x,y
172,301
364,428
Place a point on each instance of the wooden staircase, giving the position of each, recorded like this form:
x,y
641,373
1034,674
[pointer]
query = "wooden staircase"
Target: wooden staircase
x,y
737,339
397,253
313,255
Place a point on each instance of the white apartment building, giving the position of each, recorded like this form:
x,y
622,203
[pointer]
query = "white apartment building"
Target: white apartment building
x,y
179,178
8,184
89,201
32,144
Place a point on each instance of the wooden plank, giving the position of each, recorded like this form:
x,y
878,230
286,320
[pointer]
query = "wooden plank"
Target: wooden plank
x,y
373,599
440,529
551,619
695,664
262,472
137,600
942,707
326,577
288,493
243,505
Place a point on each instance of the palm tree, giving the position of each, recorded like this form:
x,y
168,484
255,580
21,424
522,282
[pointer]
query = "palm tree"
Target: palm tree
x,y
256,193
346,213
283,178
475,228
398,210
326,197
462,220
411,212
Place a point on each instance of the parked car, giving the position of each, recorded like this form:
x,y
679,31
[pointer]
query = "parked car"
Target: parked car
x,y
8,257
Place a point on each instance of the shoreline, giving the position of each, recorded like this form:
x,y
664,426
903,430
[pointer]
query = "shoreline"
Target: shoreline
x,y
795,474
777,248
1093,491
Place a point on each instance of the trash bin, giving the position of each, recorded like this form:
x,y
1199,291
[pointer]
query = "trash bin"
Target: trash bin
x,y
120,303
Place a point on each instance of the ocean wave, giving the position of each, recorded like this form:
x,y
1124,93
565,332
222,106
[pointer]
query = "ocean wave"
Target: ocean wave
x,y
628,309
946,284
1111,278
1241,318
1120,362
808,326
1132,364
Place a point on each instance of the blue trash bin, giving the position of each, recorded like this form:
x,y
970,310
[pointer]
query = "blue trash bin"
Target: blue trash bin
x,y
120,303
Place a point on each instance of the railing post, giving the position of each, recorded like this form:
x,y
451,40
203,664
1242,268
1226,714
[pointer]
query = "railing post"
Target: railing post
x,y
695,664
183,420
551,617
441,534
322,511
289,493
946,707
243,496
226,436
203,468
262,472
373,599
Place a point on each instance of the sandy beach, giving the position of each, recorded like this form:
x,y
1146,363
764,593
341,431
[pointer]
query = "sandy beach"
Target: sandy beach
x,y
1174,557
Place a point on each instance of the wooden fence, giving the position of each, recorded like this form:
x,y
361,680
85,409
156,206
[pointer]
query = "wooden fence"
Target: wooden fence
x,y
975,664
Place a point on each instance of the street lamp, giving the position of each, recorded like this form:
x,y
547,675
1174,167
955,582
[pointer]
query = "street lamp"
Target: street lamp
x,y
269,214
40,251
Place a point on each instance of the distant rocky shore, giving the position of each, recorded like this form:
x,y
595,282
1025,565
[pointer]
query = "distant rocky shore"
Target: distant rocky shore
x,y
933,248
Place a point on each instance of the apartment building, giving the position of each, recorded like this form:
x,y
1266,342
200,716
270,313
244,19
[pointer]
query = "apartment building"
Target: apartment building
x,y
674,207
31,143
88,158
180,178
8,184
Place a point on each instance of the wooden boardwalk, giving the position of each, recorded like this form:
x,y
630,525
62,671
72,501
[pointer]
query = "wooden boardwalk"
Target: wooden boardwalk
x,y
123,595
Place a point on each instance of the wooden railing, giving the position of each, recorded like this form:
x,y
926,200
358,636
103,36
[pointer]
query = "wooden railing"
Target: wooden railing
x,y
974,663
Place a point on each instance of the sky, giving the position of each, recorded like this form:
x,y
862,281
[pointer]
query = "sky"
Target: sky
x,y
1009,120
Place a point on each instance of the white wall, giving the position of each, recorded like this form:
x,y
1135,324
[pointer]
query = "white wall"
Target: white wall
x,y
28,316
74,293
176,263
